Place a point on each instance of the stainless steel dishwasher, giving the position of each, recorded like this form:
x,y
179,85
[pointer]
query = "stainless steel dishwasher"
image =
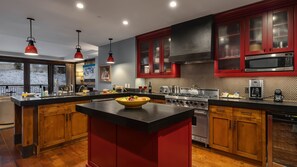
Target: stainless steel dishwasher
x,y
6,111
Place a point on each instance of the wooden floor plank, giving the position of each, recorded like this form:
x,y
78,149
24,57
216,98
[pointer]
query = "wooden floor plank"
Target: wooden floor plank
x,y
75,155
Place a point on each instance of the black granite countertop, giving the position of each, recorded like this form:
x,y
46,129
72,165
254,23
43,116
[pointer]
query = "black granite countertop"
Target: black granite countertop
x,y
150,118
31,101
286,107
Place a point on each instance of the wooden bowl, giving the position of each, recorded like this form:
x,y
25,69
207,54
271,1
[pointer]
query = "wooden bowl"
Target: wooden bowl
x,y
135,103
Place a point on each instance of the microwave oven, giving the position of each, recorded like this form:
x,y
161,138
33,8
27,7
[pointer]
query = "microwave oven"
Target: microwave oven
x,y
270,62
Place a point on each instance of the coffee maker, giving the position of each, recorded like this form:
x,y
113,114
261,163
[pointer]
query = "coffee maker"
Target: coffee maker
x,y
256,89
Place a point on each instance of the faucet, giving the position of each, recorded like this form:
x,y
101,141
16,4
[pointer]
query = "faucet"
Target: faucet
x,y
82,86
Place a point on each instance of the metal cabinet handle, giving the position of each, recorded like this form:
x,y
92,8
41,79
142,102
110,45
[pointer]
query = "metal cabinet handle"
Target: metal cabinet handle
x,y
234,125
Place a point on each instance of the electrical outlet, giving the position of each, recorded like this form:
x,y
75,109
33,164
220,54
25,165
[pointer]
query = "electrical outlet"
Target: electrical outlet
x,y
246,90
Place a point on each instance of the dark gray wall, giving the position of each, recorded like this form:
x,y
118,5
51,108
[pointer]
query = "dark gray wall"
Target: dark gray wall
x,y
124,69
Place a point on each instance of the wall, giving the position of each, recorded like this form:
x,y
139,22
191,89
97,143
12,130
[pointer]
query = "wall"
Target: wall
x,y
124,69
202,75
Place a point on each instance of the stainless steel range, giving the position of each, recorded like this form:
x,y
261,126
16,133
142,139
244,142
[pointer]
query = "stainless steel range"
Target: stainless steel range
x,y
197,99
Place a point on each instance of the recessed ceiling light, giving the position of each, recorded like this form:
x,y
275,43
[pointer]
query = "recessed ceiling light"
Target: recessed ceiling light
x,y
80,5
125,22
173,4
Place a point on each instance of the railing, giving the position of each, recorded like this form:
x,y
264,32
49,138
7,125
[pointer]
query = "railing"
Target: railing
x,y
11,90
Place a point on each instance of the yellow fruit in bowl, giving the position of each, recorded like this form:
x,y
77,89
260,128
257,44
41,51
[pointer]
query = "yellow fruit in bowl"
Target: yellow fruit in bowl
x,y
132,101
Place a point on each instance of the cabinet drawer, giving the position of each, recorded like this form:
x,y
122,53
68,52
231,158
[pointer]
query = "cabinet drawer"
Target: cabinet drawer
x,y
52,109
221,110
70,107
247,113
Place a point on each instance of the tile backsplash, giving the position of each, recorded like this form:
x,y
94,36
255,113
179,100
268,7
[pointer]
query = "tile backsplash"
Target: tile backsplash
x,y
202,75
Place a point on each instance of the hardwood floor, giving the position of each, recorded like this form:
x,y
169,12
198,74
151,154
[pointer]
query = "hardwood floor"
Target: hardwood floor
x,y
75,155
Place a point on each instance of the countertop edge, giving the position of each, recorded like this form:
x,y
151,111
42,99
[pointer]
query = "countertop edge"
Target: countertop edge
x,y
135,124
270,107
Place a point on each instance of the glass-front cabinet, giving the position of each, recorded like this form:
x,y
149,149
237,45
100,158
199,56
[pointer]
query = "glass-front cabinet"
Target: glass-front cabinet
x,y
256,34
153,51
280,26
144,57
229,42
270,32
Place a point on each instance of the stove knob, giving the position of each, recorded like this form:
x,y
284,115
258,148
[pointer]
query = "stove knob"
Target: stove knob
x,y
168,101
187,102
173,101
202,104
195,103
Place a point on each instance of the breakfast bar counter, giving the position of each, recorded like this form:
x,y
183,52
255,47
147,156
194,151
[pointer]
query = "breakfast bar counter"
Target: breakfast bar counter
x,y
155,135
46,122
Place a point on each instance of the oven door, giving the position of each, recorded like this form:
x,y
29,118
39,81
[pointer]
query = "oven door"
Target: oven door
x,y
270,62
200,126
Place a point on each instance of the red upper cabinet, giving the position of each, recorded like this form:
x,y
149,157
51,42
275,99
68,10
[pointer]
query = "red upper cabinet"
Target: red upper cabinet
x,y
270,32
230,48
153,51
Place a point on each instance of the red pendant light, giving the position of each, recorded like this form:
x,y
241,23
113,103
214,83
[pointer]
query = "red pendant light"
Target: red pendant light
x,y
78,55
110,59
31,50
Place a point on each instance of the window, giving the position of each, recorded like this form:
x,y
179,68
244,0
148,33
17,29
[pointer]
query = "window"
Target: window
x,y
11,78
60,74
38,77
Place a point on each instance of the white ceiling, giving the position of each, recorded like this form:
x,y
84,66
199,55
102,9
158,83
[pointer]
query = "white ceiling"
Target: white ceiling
x,y
57,20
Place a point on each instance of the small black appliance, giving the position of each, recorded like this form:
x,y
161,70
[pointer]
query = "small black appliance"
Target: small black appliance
x,y
278,96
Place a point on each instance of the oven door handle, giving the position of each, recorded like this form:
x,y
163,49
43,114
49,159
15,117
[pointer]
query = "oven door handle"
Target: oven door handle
x,y
201,112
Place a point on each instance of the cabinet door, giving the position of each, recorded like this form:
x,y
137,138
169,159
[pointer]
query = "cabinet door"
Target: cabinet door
x,y
78,125
166,65
230,47
280,30
144,57
256,34
220,128
247,133
52,125
156,57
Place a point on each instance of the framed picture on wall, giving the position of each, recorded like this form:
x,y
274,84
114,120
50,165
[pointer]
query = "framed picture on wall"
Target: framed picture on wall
x,y
105,73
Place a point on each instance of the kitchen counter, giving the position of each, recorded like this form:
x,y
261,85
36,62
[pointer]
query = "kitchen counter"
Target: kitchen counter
x,y
287,107
42,123
150,118
31,101
138,137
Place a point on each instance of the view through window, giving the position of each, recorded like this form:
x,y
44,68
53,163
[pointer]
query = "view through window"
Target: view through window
x,y
11,78
38,77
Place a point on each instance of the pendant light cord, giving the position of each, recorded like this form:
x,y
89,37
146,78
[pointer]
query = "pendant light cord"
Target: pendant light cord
x,y
30,28
78,31
110,39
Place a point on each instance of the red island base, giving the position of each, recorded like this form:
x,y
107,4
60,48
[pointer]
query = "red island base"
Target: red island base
x,y
113,145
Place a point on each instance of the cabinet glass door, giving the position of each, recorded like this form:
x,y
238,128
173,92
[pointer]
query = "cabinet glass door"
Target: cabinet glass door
x,y
144,58
156,56
229,46
167,66
280,29
256,34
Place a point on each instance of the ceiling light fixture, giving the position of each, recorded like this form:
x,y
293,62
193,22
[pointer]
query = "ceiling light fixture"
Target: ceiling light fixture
x,y
125,22
31,50
78,55
80,5
173,4
110,59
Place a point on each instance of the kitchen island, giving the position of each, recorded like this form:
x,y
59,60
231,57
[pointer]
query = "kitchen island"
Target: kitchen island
x,y
47,122
155,135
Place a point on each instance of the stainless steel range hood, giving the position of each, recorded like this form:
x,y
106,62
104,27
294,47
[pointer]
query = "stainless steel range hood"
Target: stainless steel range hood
x,y
193,41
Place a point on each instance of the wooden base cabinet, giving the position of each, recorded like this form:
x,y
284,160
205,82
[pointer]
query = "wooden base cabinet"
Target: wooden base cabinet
x,y
238,131
59,123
